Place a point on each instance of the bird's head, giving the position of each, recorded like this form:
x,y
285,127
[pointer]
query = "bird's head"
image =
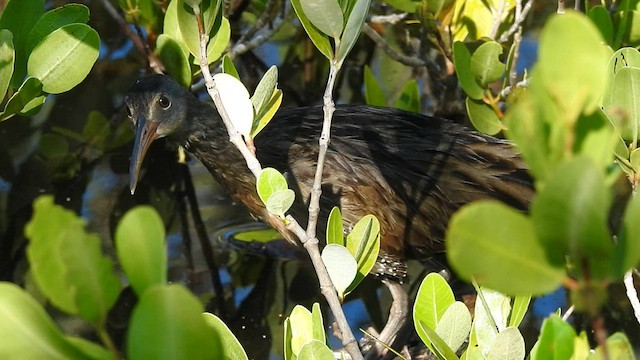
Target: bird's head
x,y
157,106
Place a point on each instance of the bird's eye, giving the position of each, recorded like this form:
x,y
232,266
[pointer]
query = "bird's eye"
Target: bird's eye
x,y
164,102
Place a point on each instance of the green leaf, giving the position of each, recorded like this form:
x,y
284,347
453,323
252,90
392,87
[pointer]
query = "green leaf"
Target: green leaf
x,y
7,58
64,58
97,129
373,93
280,201
432,300
219,42
320,40
570,215
341,265
264,90
175,60
512,267
167,323
19,17
27,331
440,347
625,57
236,102
409,99
317,323
52,146
601,18
627,249
572,36
335,228
230,345
519,309
486,65
621,103
140,244
491,312
363,242
172,28
55,19
315,350
301,326
268,112
618,347
30,90
596,138
454,326
288,336
483,117
269,181
68,264
188,25
556,340
352,29
508,345
325,15
462,62
229,68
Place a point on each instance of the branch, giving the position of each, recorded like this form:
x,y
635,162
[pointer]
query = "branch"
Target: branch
x,y
387,19
520,17
154,61
394,54
497,19
309,242
632,294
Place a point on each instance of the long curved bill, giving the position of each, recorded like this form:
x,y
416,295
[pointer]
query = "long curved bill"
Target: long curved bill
x,y
146,133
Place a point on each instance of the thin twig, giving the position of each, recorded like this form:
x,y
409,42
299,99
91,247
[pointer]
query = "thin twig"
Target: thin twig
x,y
395,55
513,71
506,91
310,243
632,294
561,9
497,19
568,313
388,19
154,61
520,17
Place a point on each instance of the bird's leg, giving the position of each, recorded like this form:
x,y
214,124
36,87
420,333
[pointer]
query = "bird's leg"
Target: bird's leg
x,y
395,323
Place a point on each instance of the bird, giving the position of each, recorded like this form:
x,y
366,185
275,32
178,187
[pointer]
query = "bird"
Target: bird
x,y
410,170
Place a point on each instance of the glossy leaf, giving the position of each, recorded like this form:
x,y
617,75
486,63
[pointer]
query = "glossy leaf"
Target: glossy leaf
x,y
335,228
167,323
341,265
55,19
30,90
352,29
483,117
229,68
19,17
219,42
188,25
491,312
141,247
409,99
363,242
519,309
439,346
432,300
171,27
265,88
268,112
570,215
512,267
602,20
325,15
556,340
625,57
572,36
7,58
621,103
230,345
317,323
280,201
486,65
28,332
455,325
373,93
474,19
627,248
508,345
64,58
68,264
462,62
319,39
301,326
315,350
175,60
236,101
270,181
